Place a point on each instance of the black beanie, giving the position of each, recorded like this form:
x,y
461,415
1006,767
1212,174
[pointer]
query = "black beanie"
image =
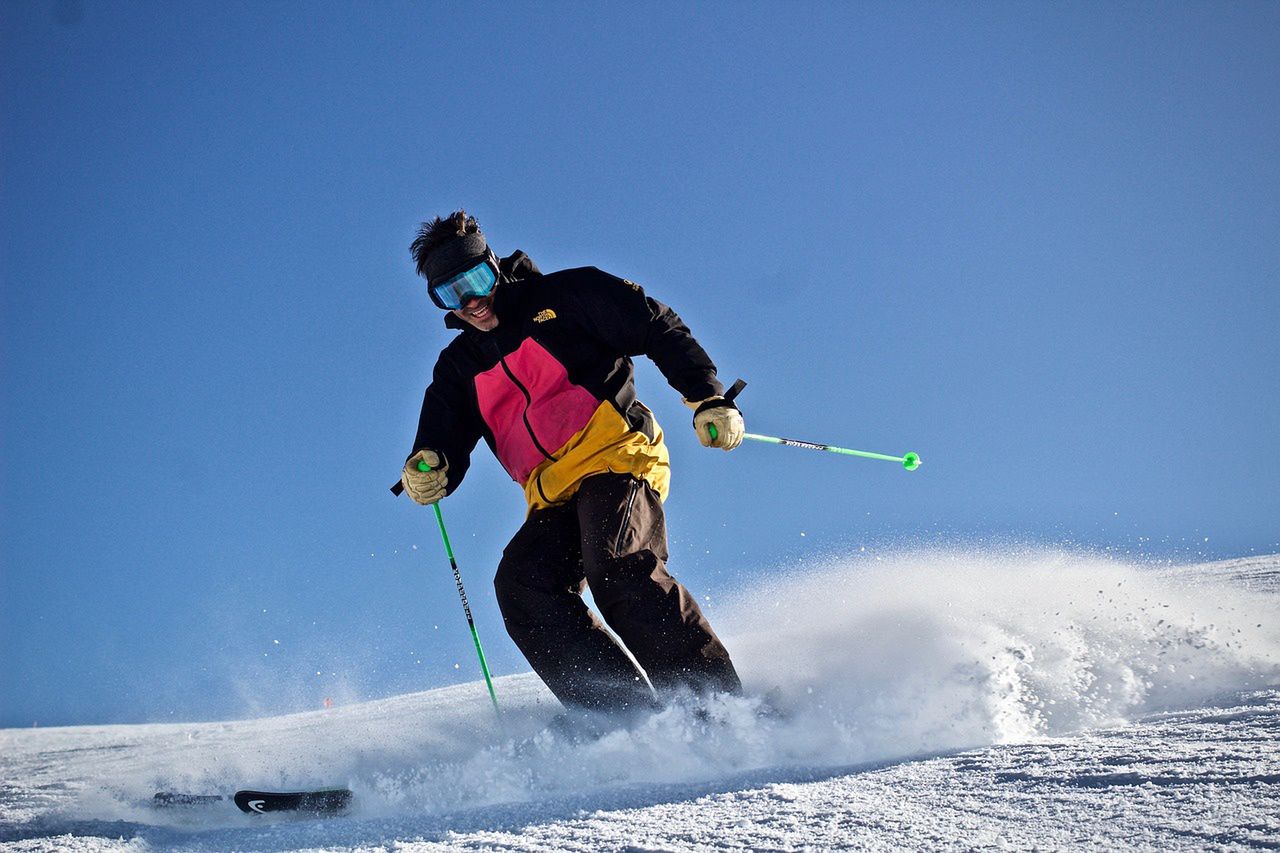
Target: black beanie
x,y
450,257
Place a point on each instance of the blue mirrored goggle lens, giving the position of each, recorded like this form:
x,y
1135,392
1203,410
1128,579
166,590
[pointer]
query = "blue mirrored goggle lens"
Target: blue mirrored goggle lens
x,y
475,282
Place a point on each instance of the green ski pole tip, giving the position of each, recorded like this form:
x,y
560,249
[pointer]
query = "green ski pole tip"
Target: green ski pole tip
x,y
911,461
423,466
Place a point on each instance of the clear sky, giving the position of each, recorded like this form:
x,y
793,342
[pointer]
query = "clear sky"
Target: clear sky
x,y
1037,243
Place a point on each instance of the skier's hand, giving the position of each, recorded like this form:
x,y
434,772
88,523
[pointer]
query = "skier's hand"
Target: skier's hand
x,y
724,416
425,487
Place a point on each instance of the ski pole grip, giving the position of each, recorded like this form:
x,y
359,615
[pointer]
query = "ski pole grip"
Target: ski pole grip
x,y
734,390
399,486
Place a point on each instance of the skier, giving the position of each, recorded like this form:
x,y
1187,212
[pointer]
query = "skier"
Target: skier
x,y
542,371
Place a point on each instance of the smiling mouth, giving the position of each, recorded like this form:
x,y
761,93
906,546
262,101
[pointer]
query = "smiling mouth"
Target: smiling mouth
x,y
479,312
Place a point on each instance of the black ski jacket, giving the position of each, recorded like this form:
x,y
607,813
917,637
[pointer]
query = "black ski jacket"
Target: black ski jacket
x,y
551,388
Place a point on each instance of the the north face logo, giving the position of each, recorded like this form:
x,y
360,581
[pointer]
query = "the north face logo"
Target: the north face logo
x,y
544,315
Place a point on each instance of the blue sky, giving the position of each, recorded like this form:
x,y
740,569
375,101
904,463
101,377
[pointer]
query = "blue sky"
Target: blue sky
x,y
1035,243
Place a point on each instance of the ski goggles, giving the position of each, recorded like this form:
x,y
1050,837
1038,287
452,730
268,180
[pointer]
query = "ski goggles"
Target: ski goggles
x,y
474,281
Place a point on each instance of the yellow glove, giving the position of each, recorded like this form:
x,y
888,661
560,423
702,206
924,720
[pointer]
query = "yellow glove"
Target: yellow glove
x,y
425,487
724,416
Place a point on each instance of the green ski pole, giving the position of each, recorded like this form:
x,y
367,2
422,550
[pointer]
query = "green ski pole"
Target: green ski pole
x,y
910,461
462,593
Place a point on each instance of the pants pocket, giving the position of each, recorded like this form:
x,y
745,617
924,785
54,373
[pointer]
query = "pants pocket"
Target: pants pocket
x,y
633,489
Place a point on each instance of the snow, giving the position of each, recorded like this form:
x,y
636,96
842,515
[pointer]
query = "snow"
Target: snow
x,y
918,701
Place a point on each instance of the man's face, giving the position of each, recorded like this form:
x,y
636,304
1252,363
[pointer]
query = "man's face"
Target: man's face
x,y
478,311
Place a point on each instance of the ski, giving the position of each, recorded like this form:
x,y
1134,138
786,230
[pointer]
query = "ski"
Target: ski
x,y
324,801
174,799
328,801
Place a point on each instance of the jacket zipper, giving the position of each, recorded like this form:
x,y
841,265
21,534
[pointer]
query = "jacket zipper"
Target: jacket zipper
x,y
528,401
537,481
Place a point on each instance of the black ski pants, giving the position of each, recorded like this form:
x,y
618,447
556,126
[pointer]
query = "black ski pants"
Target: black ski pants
x,y
611,537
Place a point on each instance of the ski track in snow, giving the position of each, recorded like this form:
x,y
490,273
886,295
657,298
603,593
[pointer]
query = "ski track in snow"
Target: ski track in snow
x,y
929,700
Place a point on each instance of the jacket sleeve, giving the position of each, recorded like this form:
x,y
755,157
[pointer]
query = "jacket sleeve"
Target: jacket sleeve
x,y
619,313
449,422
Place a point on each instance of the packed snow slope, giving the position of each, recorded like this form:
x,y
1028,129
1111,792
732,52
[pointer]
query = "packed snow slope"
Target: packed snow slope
x,y
917,700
